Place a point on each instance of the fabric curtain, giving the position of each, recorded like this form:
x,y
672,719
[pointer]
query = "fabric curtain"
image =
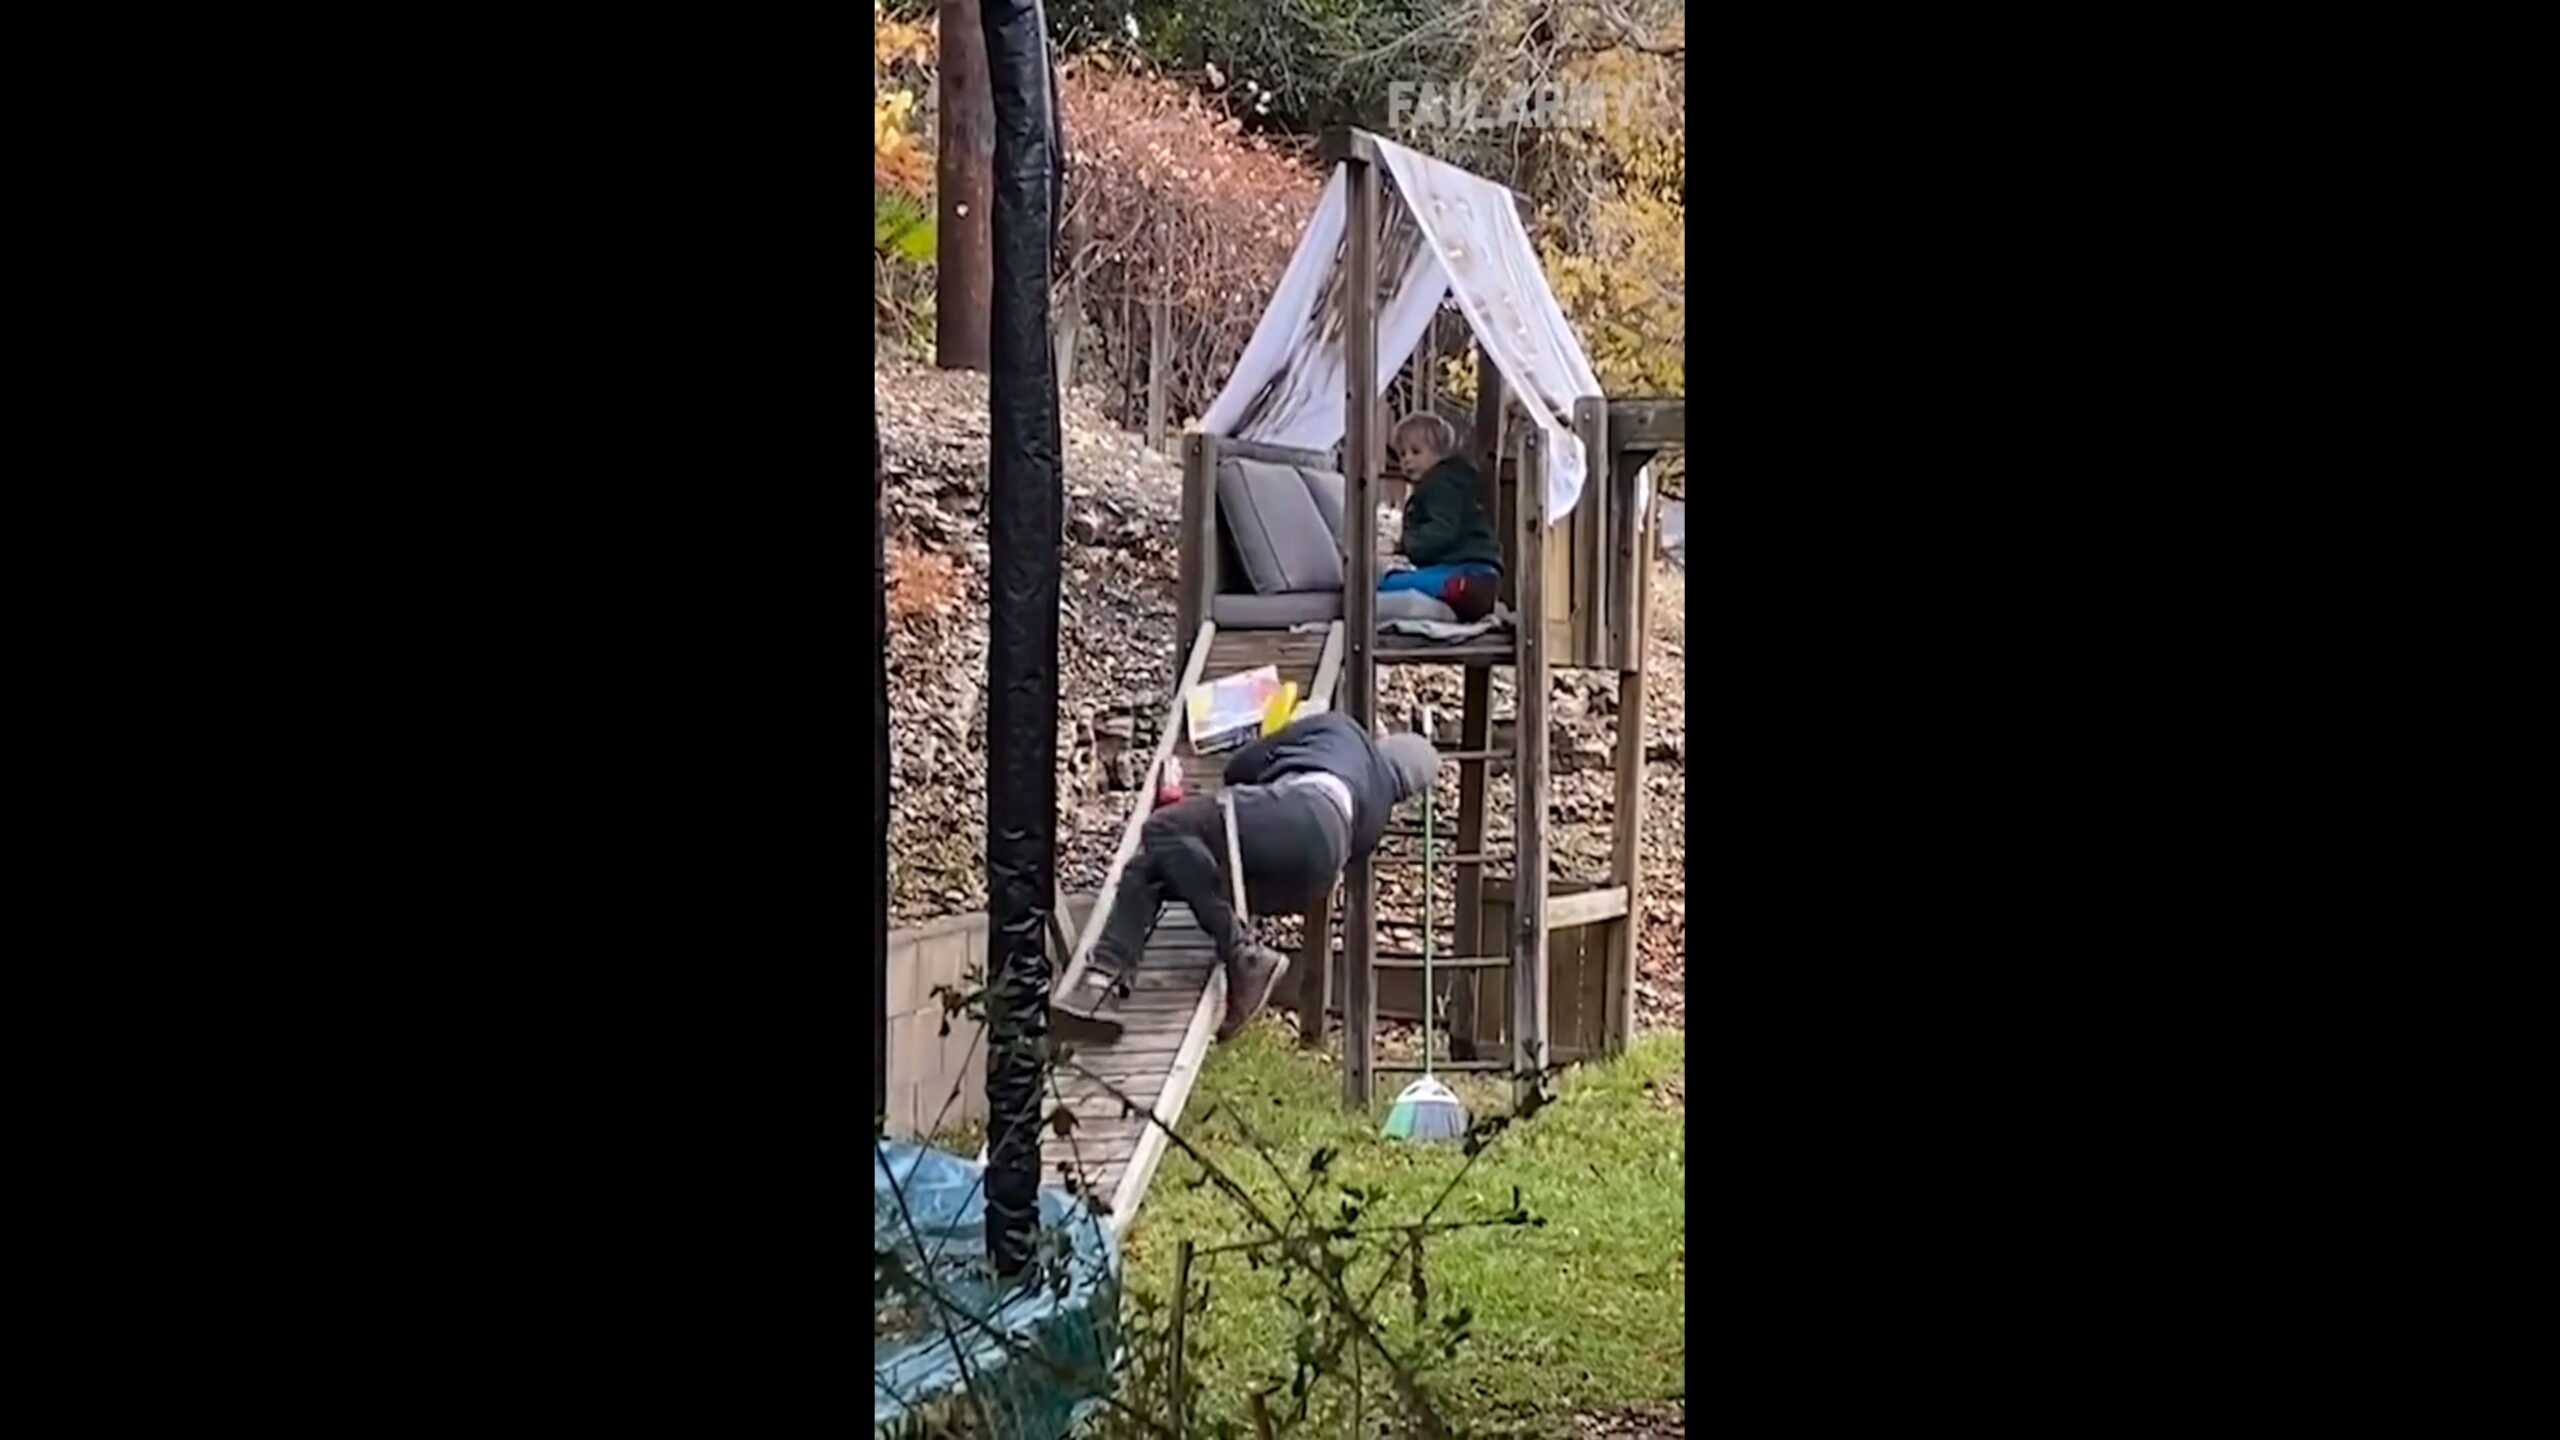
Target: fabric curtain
x,y
1289,386
1474,228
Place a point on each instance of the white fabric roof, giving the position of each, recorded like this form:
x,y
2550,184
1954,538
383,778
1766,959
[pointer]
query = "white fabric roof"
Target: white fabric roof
x,y
1288,387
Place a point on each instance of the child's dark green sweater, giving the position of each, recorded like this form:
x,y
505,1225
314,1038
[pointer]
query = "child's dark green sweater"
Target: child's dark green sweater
x,y
1444,519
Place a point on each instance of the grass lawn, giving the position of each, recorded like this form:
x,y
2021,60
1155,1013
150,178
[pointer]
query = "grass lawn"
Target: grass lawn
x,y
1581,1316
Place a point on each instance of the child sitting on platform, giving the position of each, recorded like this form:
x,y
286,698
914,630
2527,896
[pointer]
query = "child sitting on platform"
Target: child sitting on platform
x,y
1448,537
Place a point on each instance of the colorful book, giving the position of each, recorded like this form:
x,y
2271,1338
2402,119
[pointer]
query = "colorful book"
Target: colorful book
x,y
1226,713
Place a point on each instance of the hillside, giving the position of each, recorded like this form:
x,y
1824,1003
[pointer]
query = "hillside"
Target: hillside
x,y
1116,652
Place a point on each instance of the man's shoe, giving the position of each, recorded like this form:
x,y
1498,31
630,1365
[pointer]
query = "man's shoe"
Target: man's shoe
x,y
1250,976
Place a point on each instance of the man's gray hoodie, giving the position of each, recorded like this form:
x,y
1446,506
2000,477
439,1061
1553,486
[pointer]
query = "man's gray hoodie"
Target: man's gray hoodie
x,y
1381,774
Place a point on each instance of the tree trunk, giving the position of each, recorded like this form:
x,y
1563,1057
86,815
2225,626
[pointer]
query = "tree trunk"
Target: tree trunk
x,y
963,173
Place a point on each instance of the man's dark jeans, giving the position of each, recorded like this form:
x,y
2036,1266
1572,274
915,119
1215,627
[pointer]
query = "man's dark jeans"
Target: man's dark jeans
x,y
1294,843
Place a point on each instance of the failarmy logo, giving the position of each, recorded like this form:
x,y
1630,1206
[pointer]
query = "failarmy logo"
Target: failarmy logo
x,y
1431,106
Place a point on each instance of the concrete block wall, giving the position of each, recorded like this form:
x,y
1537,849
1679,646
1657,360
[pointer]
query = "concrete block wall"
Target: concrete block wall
x,y
924,1064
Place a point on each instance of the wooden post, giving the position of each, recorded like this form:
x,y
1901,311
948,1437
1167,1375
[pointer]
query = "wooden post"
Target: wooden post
x,y
1198,547
1529,779
1475,732
1487,440
1626,852
1315,965
964,158
1360,612
1634,559
1426,380
1594,603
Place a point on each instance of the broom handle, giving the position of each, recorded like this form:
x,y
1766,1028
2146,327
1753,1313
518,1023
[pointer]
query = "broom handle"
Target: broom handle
x,y
1428,993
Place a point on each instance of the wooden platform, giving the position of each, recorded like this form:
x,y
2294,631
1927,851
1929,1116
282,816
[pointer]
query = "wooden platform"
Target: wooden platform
x,y
1170,1016
1498,646
1177,996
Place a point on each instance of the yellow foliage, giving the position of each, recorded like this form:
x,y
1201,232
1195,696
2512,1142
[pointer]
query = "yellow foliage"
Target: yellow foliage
x,y
1623,280
899,159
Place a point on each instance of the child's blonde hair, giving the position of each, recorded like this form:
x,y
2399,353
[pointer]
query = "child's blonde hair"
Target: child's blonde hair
x,y
1432,430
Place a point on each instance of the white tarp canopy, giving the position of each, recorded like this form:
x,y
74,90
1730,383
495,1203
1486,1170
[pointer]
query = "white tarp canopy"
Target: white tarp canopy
x,y
1289,387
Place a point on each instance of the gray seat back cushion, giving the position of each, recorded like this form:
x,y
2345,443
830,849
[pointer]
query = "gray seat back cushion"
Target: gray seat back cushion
x,y
1280,536
1326,487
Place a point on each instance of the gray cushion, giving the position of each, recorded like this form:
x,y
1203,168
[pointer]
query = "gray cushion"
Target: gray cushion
x,y
1414,605
1325,486
1278,612
1280,536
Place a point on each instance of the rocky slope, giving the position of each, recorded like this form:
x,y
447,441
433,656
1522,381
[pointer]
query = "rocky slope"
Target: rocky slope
x,y
1117,664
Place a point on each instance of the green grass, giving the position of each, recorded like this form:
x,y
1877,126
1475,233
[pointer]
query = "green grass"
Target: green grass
x,y
1581,1315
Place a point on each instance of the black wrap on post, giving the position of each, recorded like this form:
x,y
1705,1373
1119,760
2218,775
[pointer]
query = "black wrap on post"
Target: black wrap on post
x,y
880,784
1023,523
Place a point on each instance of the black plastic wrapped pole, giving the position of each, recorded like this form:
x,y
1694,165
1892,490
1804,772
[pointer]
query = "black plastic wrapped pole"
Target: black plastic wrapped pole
x,y
1023,522
880,787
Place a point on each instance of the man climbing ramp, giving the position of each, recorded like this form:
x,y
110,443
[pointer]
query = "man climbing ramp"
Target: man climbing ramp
x,y
1309,798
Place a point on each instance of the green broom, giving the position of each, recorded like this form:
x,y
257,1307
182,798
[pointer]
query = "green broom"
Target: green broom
x,y
1427,1110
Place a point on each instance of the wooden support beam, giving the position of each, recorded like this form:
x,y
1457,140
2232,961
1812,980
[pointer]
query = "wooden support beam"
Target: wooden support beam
x,y
1649,424
1486,442
1360,603
1566,911
1591,547
1328,668
1626,851
1634,561
1199,536
1529,1050
1339,143
1315,972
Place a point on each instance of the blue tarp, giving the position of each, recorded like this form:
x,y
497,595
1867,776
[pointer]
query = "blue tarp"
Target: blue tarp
x,y
1055,1351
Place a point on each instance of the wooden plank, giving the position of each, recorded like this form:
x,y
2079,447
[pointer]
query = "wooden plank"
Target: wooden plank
x,y
1198,544
1132,1187
1339,143
1328,669
1486,446
1138,811
1573,610
1634,562
1593,550
1315,971
1228,446
1586,908
1529,780
1360,596
1626,869
1492,648
1649,424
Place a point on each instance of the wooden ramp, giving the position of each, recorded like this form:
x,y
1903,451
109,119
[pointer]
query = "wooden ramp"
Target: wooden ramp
x,y
1178,995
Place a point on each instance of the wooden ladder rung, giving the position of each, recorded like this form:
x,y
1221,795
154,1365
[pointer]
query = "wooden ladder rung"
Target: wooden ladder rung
x,y
1473,857
1412,960
1469,756
1414,1067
